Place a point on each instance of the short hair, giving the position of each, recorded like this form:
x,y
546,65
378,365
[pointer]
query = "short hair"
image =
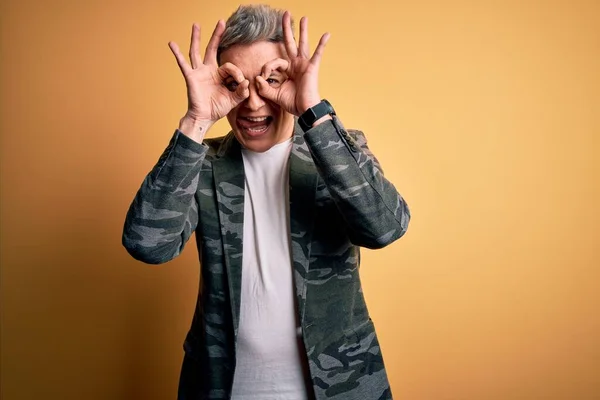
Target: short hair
x,y
252,23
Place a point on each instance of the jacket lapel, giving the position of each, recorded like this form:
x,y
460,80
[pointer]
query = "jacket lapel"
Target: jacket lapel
x,y
228,172
303,185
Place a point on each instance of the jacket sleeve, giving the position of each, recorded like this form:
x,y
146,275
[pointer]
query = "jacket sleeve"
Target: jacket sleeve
x,y
164,212
374,212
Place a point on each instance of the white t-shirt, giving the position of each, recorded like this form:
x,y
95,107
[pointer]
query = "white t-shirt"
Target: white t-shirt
x,y
270,361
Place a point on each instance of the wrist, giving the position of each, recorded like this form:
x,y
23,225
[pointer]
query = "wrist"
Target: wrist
x,y
308,104
194,128
321,120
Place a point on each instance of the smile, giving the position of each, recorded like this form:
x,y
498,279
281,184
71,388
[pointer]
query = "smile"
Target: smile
x,y
254,126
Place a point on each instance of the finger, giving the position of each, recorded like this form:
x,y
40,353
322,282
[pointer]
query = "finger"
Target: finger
x,y
210,58
181,61
276,64
229,69
288,35
316,58
195,46
241,93
265,90
303,44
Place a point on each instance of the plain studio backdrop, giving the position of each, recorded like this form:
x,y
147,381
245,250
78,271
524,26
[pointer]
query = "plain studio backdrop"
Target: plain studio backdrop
x,y
484,114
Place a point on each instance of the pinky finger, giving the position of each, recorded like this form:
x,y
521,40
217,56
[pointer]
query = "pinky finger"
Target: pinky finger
x,y
316,57
181,61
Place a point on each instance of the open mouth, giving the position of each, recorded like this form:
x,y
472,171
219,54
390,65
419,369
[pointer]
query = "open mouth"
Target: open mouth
x,y
254,126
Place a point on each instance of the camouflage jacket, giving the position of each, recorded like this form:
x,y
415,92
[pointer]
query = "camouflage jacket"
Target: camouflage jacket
x,y
339,200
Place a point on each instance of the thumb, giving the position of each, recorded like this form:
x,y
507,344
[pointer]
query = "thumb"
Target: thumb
x,y
241,92
265,90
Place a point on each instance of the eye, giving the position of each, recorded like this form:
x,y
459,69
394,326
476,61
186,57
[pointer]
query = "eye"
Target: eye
x,y
231,85
273,82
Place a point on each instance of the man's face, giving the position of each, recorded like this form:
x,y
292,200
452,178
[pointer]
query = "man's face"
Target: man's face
x,y
258,123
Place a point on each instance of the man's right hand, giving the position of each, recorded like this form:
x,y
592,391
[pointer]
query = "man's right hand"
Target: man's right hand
x,y
208,85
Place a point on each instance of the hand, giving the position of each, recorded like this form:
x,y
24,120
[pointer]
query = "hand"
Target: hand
x,y
300,91
209,98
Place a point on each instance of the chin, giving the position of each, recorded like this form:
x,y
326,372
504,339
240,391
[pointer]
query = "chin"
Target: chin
x,y
260,134
257,144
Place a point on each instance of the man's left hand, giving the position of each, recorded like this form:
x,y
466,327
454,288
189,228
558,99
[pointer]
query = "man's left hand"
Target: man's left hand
x,y
300,90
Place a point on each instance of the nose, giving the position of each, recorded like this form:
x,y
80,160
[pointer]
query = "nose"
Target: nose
x,y
254,102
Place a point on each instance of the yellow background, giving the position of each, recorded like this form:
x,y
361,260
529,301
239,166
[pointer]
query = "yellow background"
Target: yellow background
x,y
485,114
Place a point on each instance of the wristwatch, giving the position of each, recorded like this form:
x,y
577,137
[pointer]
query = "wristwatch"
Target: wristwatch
x,y
308,118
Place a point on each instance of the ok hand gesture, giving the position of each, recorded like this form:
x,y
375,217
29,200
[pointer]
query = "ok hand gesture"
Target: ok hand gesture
x,y
208,98
300,91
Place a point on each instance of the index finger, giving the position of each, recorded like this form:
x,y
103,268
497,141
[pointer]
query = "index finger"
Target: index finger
x,y
210,57
276,64
229,69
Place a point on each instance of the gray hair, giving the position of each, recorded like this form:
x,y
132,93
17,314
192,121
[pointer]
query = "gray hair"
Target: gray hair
x,y
252,23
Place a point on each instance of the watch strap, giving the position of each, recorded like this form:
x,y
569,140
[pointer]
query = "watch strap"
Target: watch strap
x,y
316,112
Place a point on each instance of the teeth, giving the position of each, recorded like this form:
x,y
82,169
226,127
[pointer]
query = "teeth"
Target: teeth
x,y
257,130
256,119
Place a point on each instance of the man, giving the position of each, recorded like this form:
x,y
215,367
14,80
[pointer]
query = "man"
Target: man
x,y
279,207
